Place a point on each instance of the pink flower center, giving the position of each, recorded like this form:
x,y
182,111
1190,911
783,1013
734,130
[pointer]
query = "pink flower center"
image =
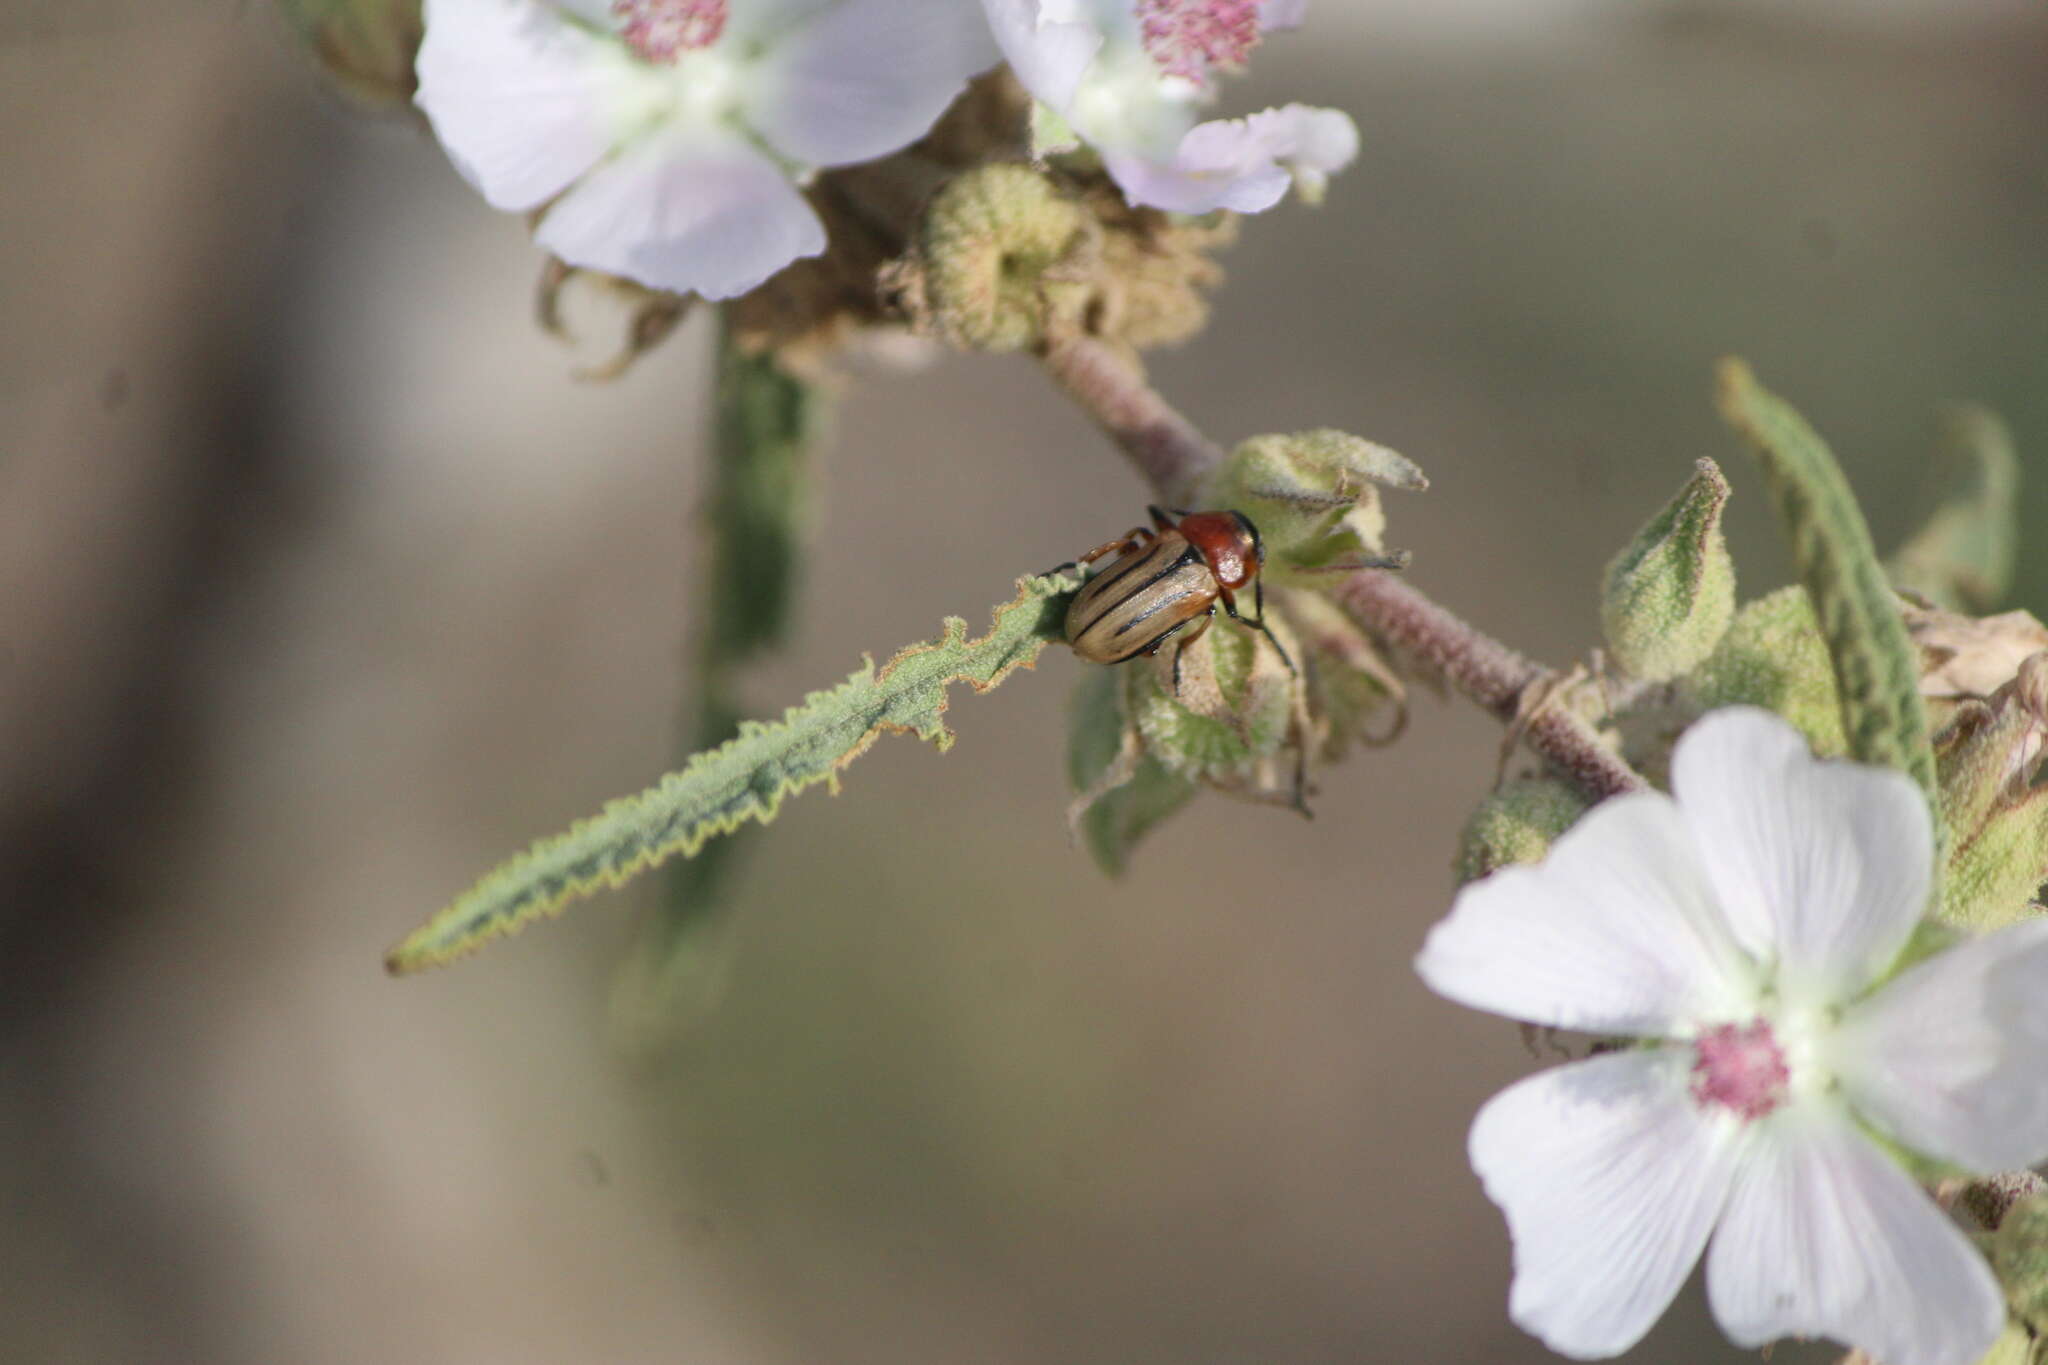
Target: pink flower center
x,y
1740,1067
1188,37
663,30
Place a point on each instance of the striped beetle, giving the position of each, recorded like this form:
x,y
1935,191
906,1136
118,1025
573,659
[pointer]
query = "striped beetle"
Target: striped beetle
x,y
1165,580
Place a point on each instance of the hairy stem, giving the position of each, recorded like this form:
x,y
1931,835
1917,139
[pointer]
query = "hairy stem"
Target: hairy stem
x,y
1173,456
1109,385
1491,674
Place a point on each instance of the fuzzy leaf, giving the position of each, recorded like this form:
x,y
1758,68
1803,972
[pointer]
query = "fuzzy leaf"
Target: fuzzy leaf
x,y
1963,556
1877,670
1122,793
747,777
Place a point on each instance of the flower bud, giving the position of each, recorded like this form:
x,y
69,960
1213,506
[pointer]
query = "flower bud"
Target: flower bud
x,y
1517,824
1311,495
1667,599
1237,723
1993,807
984,273
366,47
1773,656
1351,687
2019,1253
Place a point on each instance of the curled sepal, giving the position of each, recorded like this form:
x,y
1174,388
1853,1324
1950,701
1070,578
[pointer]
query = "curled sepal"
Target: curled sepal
x,y
1667,598
364,47
1963,555
1517,824
1772,655
1313,498
1876,669
1121,793
1994,808
748,777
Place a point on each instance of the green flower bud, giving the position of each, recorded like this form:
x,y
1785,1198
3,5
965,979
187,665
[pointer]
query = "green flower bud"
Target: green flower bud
x,y
365,47
1311,495
1238,722
2019,1253
1517,824
985,275
1667,599
1994,809
1773,656
1351,687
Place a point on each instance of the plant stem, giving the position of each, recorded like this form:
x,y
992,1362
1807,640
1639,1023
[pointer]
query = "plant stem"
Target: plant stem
x,y
1109,385
1173,456
1491,674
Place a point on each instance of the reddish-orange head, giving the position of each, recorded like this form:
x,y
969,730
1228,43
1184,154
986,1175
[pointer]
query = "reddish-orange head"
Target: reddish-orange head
x,y
1229,542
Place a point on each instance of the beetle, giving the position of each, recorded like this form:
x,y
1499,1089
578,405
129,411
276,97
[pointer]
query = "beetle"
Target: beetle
x,y
1164,586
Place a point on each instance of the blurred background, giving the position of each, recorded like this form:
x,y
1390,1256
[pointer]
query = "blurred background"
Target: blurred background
x,y
323,586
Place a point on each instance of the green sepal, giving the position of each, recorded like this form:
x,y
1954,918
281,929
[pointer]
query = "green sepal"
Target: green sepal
x,y
1877,670
364,47
1312,497
1963,555
1772,656
1517,824
748,777
1667,598
1234,709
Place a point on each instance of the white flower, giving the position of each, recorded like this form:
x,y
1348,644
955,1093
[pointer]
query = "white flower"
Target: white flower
x,y
1129,77
668,137
1741,927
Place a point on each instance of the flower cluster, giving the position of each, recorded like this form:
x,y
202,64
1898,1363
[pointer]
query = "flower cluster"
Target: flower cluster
x,y
1751,932
669,141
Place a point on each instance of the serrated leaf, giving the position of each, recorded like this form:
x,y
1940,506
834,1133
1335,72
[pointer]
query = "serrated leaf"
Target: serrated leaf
x,y
1963,556
748,777
1877,670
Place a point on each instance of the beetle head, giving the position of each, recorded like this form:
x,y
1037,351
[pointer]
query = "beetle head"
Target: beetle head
x,y
1230,544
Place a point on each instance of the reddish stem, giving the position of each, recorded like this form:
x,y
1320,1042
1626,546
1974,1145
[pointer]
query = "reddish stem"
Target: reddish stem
x,y
1173,456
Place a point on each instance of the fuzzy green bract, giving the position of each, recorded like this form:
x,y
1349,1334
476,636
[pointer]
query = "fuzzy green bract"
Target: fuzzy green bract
x,y
747,777
1963,557
1877,670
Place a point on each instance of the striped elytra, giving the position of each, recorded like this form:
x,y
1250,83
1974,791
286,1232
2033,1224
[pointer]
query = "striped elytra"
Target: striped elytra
x,y
1149,591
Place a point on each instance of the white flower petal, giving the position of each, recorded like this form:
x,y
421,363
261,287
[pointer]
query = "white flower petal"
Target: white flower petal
x,y
1610,1179
867,77
1823,867
1049,56
749,21
1279,14
1951,1057
1244,165
699,212
1614,932
517,94
1825,1236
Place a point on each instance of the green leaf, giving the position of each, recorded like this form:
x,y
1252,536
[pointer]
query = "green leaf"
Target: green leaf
x,y
1963,556
1877,670
1122,793
748,777
755,522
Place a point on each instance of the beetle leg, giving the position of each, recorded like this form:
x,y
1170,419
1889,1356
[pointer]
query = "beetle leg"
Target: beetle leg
x,y
1258,622
1159,518
1135,538
1181,646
